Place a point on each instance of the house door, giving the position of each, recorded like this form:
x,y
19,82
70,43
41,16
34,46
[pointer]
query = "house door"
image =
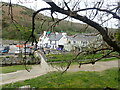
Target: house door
x,y
60,47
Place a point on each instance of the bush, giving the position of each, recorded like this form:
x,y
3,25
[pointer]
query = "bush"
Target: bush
x,y
118,35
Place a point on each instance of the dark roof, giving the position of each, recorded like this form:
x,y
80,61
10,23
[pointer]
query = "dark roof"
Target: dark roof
x,y
83,37
54,37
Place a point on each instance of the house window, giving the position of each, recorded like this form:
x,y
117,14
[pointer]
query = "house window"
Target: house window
x,y
50,42
84,43
69,42
46,44
74,42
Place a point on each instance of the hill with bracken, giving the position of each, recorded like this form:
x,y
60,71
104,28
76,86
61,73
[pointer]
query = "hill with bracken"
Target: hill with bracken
x,y
20,26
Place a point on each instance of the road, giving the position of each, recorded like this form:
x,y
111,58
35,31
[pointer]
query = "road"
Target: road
x,y
44,68
98,66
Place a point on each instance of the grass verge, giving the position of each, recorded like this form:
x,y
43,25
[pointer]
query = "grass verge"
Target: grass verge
x,y
15,68
109,59
82,79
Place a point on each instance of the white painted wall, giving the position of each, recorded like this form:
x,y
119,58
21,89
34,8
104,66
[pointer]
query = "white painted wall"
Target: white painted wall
x,y
63,41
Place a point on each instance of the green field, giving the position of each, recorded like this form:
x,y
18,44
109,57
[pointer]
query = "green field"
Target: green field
x,y
15,68
71,56
82,79
60,57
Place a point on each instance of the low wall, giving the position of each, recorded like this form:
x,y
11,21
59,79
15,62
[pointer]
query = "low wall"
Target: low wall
x,y
4,61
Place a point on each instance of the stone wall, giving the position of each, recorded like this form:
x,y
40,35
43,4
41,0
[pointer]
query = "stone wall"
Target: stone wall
x,y
18,61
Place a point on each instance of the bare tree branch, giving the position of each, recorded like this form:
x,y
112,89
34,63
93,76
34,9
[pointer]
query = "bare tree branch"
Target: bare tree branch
x,y
33,25
102,31
117,56
93,62
103,10
54,24
76,4
67,67
66,5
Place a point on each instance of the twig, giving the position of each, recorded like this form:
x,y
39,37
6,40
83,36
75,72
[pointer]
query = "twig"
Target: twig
x,y
67,67
103,10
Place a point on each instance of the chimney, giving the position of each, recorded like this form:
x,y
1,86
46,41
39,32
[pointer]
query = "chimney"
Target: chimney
x,y
56,33
64,34
44,34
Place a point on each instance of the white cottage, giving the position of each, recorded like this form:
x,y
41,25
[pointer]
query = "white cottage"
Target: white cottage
x,y
52,40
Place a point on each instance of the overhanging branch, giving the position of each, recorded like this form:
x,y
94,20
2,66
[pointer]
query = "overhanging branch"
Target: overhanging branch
x,y
103,10
84,19
33,17
33,25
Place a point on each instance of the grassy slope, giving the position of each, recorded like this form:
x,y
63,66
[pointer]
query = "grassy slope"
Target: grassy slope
x,y
23,16
23,22
108,78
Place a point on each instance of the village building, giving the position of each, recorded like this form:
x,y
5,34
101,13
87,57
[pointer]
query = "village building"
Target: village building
x,y
80,42
52,40
60,41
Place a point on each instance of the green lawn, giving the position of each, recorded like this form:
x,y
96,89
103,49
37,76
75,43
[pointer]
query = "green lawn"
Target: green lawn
x,y
15,68
82,79
70,56
60,57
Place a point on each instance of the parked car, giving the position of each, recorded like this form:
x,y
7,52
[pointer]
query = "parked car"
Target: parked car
x,y
5,50
18,51
27,50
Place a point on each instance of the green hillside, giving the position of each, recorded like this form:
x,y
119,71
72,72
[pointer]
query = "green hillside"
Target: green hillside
x,y
22,29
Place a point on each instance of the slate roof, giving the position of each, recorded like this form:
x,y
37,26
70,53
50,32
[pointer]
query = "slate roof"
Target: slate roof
x,y
83,37
54,37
